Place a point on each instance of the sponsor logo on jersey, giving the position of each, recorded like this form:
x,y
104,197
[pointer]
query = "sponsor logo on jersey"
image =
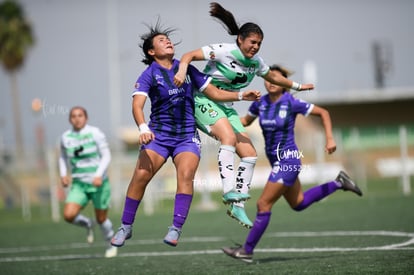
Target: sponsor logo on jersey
x,y
270,122
160,79
176,91
76,144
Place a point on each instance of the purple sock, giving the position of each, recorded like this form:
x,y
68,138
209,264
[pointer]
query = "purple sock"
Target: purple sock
x,y
317,193
259,227
130,209
181,207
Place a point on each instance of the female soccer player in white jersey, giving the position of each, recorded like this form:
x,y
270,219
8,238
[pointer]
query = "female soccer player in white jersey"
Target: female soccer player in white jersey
x,y
171,131
85,152
232,67
277,113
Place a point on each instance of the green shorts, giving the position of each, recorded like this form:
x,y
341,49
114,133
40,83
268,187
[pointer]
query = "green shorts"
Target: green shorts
x,y
207,112
81,193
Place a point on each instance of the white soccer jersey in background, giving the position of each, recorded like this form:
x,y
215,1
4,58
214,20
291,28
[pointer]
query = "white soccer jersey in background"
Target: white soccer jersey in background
x,y
88,152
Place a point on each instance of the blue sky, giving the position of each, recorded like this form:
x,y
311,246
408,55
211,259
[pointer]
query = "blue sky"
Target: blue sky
x,y
87,52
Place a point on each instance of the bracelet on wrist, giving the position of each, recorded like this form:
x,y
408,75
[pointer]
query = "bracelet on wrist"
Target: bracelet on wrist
x,y
296,86
240,95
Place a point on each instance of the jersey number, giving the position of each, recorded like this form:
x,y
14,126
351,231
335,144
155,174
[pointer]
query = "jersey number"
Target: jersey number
x,y
78,151
203,108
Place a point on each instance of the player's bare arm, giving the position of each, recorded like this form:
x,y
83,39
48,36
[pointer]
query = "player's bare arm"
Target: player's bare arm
x,y
185,60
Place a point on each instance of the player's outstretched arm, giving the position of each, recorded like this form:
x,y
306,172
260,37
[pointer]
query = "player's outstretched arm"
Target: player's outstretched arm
x,y
186,59
280,80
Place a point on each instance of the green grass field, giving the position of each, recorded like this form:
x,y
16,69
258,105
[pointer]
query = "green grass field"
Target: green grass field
x,y
344,234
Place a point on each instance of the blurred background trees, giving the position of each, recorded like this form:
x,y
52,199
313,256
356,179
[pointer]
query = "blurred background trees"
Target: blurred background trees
x,y
16,37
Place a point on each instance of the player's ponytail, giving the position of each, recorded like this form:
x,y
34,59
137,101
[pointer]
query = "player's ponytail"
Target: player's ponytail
x,y
230,24
226,17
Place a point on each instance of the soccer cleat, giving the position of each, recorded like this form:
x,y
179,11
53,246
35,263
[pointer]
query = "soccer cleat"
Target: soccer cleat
x,y
238,253
347,184
89,234
234,196
123,233
172,236
238,213
111,251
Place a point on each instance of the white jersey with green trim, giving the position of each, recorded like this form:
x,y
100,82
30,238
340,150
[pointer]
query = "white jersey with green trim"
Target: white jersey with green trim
x,y
229,68
87,153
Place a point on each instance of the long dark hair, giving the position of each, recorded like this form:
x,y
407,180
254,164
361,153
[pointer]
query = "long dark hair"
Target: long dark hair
x,y
230,23
148,39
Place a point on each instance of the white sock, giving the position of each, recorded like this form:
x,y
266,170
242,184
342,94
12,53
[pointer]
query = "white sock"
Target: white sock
x,y
106,228
244,176
226,166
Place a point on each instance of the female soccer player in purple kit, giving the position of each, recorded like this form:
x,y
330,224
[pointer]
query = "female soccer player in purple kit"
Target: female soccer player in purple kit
x,y
171,131
277,112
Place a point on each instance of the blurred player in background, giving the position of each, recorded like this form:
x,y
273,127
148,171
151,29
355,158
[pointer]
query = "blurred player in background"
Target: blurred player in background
x,y
84,151
277,113
232,67
171,131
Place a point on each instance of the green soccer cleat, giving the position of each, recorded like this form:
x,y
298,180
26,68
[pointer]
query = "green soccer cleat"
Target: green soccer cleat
x,y
238,213
234,196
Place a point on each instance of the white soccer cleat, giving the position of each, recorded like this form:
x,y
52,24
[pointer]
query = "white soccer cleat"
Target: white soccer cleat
x,y
111,251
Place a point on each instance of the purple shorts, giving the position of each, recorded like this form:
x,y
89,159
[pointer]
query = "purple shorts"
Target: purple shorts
x,y
285,171
168,146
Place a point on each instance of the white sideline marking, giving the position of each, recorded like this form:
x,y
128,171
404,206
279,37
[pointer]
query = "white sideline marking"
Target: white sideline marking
x,y
395,246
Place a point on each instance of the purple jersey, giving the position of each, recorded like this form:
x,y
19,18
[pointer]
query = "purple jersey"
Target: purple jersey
x,y
172,107
277,121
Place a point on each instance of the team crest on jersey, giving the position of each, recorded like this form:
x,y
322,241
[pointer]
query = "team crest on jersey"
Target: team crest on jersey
x,y
212,113
282,113
276,168
212,55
